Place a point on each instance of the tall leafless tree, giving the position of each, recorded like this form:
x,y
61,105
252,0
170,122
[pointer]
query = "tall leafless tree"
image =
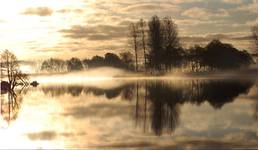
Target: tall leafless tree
x,y
142,28
134,36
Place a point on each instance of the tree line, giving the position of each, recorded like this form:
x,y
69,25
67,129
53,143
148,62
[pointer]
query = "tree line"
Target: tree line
x,y
125,60
155,47
158,42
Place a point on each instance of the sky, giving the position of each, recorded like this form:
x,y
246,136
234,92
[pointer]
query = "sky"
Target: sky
x,y
40,29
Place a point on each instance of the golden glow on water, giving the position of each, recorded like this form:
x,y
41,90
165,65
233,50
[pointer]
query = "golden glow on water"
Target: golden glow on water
x,y
56,116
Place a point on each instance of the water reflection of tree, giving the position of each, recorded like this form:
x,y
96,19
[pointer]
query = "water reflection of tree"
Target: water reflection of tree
x,y
255,115
76,90
162,100
11,103
157,103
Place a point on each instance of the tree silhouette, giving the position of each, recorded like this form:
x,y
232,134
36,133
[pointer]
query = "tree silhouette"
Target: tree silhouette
x,y
165,49
74,64
127,59
155,43
112,60
96,61
52,64
10,68
255,38
195,58
134,36
173,52
142,28
219,55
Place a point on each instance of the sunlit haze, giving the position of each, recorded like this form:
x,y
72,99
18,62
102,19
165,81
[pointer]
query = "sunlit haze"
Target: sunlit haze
x,y
39,29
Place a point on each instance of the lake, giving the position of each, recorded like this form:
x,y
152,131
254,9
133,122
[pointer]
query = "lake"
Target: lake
x,y
132,114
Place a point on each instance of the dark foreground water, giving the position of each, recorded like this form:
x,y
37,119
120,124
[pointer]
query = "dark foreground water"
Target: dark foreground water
x,y
132,114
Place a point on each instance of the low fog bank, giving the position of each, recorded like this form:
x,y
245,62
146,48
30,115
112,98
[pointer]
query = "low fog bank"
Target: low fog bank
x,y
109,73
244,73
102,72
99,76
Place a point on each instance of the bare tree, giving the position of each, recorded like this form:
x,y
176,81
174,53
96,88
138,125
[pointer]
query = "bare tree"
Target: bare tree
x,y
134,35
255,37
11,69
142,28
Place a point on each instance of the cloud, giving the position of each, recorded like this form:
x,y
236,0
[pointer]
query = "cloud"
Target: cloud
x,y
70,11
252,23
187,1
107,111
95,33
232,1
221,36
203,13
150,7
39,11
251,8
44,135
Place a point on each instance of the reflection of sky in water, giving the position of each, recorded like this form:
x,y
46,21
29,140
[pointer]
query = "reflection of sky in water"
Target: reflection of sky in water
x,y
89,117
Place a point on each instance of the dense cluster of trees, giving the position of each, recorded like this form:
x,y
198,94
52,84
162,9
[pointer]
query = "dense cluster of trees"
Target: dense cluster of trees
x,y
75,64
158,40
216,55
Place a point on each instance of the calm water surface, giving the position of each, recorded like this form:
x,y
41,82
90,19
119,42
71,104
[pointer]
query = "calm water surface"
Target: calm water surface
x,y
132,114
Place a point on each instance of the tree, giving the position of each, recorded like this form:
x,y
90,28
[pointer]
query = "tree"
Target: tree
x,y
134,36
219,55
96,61
155,43
74,64
171,45
10,68
255,38
170,33
165,49
113,60
52,64
127,59
142,28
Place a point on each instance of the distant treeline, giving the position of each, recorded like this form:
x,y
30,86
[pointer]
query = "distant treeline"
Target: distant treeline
x,y
156,48
75,64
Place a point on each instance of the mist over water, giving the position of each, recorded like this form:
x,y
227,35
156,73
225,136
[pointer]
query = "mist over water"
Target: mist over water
x,y
117,112
108,74
114,108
